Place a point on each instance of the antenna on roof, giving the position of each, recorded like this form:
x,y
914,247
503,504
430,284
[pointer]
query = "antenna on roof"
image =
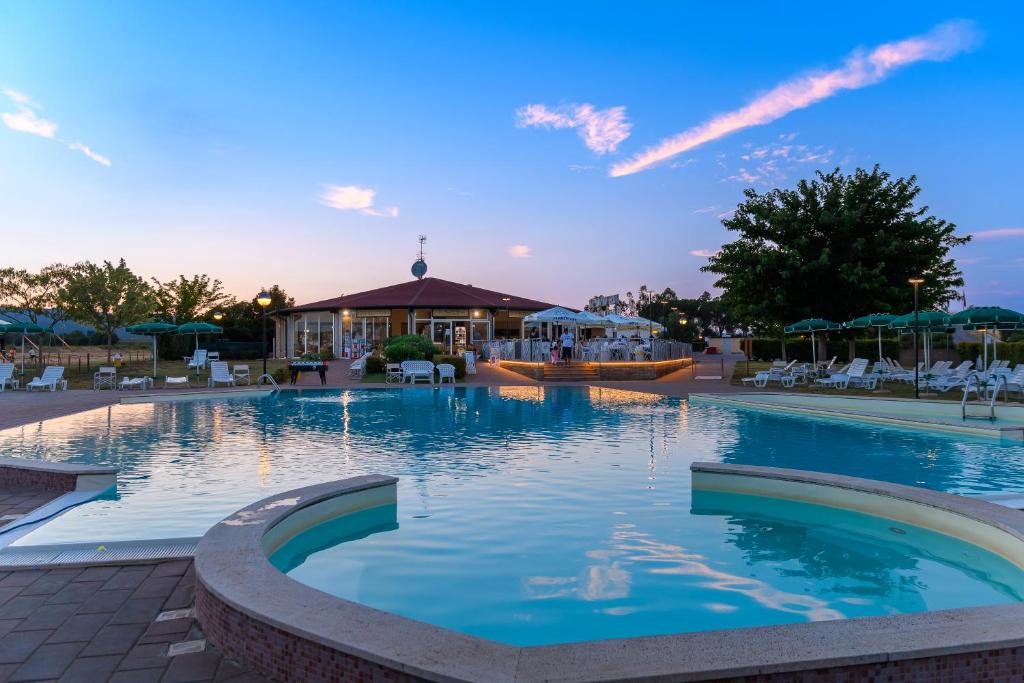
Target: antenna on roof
x,y
419,267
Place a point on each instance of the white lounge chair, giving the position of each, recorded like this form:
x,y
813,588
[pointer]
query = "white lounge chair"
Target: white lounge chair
x,y
393,373
7,376
106,376
219,374
197,360
952,379
179,381
854,372
240,372
139,383
446,371
358,367
53,377
413,370
1014,382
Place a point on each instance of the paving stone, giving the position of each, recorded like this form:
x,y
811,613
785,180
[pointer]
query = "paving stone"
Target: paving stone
x,y
16,646
198,666
172,626
177,568
105,601
8,625
49,661
138,676
80,628
21,607
160,587
114,640
90,669
182,597
96,574
6,670
75,592
48,584
146,656
130,577
6,593
22,578
138,611
47,617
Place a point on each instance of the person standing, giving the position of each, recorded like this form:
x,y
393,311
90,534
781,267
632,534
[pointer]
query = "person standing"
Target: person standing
x,y
567,345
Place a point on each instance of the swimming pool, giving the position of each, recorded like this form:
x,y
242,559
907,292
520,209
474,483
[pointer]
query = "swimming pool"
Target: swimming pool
x,y
589,486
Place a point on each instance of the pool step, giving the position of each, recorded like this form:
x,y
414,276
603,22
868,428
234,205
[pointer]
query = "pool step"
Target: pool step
x,y
577,372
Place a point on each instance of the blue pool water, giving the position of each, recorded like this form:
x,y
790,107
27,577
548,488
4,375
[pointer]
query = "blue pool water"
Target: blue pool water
x,y
532,514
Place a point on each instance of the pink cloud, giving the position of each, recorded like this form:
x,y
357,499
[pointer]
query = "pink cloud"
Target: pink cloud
x,y
859,70
997,233
355,198
705,253
25,120
602,130
520,251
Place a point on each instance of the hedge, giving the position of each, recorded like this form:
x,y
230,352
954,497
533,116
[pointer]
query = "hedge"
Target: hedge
x,y
1011,351
375,365
800,349
408,347
458,361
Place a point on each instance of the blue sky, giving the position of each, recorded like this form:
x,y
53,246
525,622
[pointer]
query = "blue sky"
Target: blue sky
x,y
309,144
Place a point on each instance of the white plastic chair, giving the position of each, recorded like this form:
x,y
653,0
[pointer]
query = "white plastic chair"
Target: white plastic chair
x,y
197,360
240,372
219,374
106,376
413,370
446,371
7,376
53,377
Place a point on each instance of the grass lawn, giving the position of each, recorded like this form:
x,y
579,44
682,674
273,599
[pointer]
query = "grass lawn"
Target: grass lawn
x,y
888,390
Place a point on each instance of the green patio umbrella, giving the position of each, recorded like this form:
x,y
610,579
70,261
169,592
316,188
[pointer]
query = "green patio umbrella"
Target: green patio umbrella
x,y
878,320
813,325
198,327
152,329
986,318
23,328
923,321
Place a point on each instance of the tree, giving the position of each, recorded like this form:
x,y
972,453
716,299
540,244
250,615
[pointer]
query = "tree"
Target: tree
x,y
836,247
106,297
186,299
34,294
241,320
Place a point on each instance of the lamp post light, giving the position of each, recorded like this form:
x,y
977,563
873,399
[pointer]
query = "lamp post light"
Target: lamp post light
x,y
916,281
263,299
507,300
218,316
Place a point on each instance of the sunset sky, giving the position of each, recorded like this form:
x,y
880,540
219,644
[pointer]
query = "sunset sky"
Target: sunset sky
x,y
553,150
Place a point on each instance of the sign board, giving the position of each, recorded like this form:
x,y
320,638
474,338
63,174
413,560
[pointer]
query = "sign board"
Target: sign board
x,y
373,313
451,312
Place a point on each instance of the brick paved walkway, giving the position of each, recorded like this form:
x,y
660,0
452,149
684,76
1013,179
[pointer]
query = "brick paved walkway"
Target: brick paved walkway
x,y
99,623
18,502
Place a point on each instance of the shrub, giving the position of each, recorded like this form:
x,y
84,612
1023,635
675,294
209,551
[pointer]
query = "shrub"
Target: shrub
x,y
326,353
458,361
374,365
310,356
408,347
281,375
1011,351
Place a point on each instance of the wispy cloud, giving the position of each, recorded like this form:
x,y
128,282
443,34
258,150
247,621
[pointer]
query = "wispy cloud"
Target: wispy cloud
x,y
25,120
579,168
706,209
997,233
705,253
860,69
602,130
519,251
355,198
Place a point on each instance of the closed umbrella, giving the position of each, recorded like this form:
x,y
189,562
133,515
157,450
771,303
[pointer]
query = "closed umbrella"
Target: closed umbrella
x,y
24,329
877,320
812,325
987,318
152,329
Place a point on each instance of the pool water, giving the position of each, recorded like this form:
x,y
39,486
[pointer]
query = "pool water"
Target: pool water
x,y
531,503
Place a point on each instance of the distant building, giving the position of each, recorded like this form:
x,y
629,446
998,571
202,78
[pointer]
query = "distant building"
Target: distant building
x,y
452,315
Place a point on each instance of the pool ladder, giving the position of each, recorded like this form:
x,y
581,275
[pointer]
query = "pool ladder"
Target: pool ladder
x,y
269,380
979,383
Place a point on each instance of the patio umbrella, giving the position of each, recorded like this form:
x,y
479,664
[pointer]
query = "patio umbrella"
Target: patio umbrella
x,y
812,325
987,318
877,320
152,329
198,327
926,321
24,329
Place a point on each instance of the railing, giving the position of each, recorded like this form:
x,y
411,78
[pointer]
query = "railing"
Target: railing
x,y
266,378
539,351
982,383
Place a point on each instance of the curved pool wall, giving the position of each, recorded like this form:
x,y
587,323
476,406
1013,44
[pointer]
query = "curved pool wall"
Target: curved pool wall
x,y
296,633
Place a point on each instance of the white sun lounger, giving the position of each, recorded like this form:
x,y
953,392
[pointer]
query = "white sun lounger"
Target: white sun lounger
x,y
53,377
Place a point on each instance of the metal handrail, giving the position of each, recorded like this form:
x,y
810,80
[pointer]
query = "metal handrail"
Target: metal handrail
x,y
270,380
977,379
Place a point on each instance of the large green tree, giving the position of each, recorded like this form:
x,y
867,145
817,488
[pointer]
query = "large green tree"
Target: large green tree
x,y
34,294
836,246
186,299
105,297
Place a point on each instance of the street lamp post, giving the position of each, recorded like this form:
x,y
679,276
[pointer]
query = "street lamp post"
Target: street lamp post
x,y
263,299
917,367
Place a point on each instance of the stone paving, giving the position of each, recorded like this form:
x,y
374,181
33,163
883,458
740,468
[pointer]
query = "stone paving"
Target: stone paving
x,y
18,502
106,623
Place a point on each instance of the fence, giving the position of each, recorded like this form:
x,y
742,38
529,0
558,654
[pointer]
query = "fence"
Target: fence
x,y
539,351
73,361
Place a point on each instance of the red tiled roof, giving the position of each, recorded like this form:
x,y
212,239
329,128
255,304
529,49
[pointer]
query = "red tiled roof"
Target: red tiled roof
x,y
430,292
